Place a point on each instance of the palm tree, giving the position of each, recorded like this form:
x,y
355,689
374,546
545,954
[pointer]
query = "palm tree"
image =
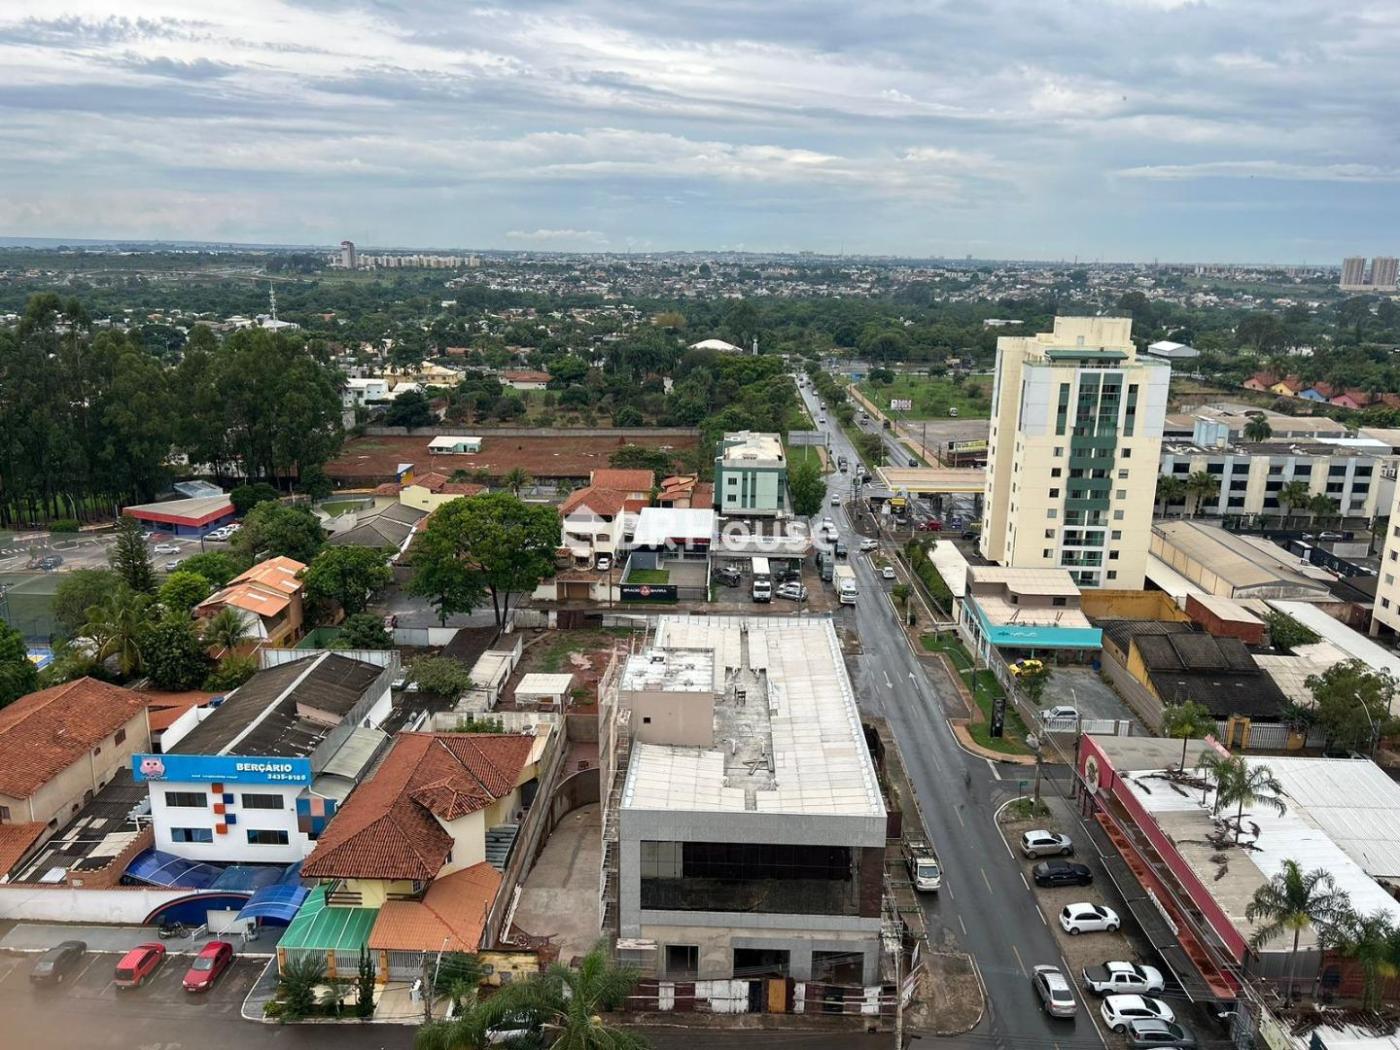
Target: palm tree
x,y
1258,429
1219,770
1170,489
1323,506
1370,940
516,479
1251,785
1294,900
1201,487
117,627
1293,494
1190,721
226,629
567,1005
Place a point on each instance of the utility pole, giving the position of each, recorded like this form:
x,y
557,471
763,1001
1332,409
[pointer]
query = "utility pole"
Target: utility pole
x,y
427,991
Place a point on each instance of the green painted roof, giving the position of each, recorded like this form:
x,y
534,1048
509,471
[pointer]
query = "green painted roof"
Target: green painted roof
x,y
323,928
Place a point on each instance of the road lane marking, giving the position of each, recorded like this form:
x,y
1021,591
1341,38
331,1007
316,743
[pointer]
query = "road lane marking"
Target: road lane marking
x,y
951,895
1043,919
963,925
993,767
888,683
986,880
1016,952
1027,884
958,813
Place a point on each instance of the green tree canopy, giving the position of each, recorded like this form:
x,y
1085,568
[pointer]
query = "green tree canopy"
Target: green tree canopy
x,y
1188,721
18,676
491,541
364,631
245,497
440,675
78,591
1286,633
218,567
131,559
639,457
172,653
347,576
1352,705
273,530
807,487
183,590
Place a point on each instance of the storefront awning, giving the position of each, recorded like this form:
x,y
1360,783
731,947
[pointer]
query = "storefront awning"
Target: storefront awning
x,y
156,868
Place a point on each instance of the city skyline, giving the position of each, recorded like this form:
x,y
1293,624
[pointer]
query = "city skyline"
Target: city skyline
x,y
1009,133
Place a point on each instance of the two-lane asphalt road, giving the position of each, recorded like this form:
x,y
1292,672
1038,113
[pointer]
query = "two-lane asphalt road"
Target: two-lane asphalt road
x,y
986,902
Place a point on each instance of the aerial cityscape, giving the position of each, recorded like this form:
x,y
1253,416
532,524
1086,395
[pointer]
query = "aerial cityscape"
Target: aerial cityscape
x,y
587,526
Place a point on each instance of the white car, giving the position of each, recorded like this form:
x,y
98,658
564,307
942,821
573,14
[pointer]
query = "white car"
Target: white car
x,y
1118,1010
1042,843
172,564
1060,714
836,501
166,548
887,572
1118,976
866,546
1085,917
604,562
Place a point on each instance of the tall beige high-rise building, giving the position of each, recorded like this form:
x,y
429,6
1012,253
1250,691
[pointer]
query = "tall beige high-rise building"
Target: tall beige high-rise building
x,y
348,259
1386,612
1353,272
1072,462
1384,271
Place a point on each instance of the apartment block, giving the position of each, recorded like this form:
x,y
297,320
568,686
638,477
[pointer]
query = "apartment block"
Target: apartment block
x,y
1386,613
751,475
1073,453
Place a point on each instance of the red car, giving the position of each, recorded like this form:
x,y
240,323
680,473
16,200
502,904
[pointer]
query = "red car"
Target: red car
x,y
138,964
931,526
212,960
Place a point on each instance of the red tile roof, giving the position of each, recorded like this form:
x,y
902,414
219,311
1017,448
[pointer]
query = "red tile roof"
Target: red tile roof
x,y
525,377
601,501
164,708
623,480
450,917
703,498
435,482
15,842
388,829
44,733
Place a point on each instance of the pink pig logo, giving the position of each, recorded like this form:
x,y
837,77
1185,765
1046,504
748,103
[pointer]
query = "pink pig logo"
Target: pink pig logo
x,y
152,768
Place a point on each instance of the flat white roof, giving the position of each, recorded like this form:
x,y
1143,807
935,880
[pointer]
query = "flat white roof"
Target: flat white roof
x,y
537,684
1171,581
819,758
951,565
1356,645
656,526
1303,833
671,670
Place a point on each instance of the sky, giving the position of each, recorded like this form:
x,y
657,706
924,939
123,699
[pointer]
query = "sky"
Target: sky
x,y
1179,130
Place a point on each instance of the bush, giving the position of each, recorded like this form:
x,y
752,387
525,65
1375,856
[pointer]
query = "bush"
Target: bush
x,y
232,672
64,525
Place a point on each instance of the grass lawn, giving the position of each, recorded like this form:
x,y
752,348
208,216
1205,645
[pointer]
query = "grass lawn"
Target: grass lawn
x,y
797,454
933,396
649,576
985,690
552,656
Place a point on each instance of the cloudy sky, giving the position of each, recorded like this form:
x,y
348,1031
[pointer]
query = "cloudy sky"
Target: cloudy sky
x,y
1116,129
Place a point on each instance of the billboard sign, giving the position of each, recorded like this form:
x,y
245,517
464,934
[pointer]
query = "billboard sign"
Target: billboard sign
x,y
968,446
220,769
648,592
901,404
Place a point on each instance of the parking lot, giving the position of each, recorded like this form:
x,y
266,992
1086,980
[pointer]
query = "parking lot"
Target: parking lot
x,y
1083,689
90,987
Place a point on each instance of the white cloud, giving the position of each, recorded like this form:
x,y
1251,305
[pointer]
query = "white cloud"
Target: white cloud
x,y
556,238
1263,169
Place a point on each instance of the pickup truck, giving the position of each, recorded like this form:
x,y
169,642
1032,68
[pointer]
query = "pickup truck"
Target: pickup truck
x,y
924,870
1114,978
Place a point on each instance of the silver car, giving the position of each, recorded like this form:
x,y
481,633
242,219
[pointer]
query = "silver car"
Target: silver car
x,y
1056,996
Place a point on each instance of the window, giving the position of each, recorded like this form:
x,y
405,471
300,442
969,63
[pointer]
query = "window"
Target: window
x,y
1122,475
186,799
1047,552
1112,555
4,814
1059,450
266,837
1121,494
1062,410
1117,515
121,735
1059,599
251,801
1054,493
1054,472
1385,603
1113,574
1049,534
682,961
1389,578
191,834
1127,453
1117,534
1052,514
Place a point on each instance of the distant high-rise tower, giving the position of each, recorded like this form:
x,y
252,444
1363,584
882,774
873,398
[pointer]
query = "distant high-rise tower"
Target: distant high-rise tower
x,y
347,255
1383,272
1354,272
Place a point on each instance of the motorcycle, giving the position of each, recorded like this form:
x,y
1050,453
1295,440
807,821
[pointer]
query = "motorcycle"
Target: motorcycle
x,y
169,930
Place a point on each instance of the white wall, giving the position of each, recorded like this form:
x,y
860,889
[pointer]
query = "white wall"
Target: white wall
x,y
233,846
74,904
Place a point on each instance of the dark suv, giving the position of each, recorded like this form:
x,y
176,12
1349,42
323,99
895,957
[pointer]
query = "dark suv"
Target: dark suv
x,y
1061,873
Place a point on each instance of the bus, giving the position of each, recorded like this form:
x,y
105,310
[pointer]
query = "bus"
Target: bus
x,y
762,581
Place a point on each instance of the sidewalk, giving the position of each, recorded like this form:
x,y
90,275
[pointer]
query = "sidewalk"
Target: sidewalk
x,y
40,936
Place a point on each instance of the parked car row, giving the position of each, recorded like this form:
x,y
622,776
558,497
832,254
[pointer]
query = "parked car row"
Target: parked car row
x,y
136,967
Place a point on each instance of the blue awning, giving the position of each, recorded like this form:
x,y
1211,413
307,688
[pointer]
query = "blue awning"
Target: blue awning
x,y
165,869
250,877
278,903
1028,636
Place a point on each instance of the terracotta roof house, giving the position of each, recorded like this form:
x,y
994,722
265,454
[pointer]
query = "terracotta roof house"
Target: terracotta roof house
x,y
525,380
431,490
450,917
269,597
1288,386
686,491
636,483
1352,399
16,843
63,745
1260,381
1318,392
424,814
